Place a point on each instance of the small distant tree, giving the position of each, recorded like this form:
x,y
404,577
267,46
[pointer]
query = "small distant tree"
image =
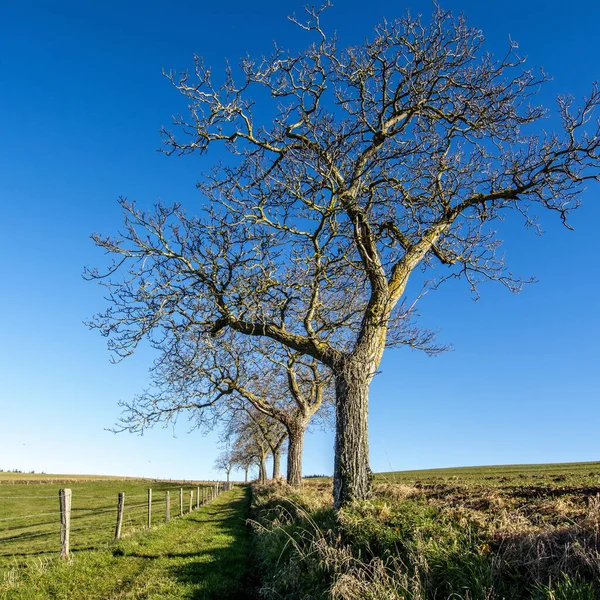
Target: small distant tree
x,y
351,168
244,460
225,462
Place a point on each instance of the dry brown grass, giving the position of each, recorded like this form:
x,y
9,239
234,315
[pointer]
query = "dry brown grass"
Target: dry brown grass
x,y
503,537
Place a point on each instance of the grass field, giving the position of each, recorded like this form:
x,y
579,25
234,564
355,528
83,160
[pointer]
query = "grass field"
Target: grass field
x,y
507,532
546,472
201,556
30,518
476,533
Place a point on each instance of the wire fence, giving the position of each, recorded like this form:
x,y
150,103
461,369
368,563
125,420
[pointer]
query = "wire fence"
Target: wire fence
x,y
87,517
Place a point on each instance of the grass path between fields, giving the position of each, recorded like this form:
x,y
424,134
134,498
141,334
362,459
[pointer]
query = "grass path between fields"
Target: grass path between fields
x,y
200,556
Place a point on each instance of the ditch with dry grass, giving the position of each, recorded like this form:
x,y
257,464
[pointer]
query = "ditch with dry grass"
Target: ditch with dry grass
x,y
487,533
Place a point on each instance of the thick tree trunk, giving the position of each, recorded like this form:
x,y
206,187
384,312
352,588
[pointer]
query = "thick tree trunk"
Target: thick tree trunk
x,y
352,475
228,476
294,458
276,464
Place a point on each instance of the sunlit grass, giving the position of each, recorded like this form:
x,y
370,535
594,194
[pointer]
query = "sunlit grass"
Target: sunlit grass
x,y
200,556
30,519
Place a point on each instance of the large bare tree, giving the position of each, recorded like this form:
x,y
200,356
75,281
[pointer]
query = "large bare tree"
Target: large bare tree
x,y
350,169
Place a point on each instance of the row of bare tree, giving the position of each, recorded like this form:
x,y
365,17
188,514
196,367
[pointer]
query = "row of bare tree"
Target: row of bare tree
x,y
261,397
343,174
250,439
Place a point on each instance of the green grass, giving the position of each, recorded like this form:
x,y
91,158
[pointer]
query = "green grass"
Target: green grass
x,y
30,519
564,471
200,556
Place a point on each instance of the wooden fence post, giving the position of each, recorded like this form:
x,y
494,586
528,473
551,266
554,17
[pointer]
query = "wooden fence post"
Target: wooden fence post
x,y
120,506
64,497
168,513
197,497
181,502
149,508
191,500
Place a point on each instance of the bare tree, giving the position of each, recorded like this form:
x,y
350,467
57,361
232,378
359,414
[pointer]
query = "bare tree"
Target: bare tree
x,y
253,434
273,433
246,454
243,459
225,462
398,154
230,376
283,386
251,449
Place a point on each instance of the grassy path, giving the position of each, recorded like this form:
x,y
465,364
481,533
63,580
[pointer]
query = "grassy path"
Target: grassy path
x,y
200,556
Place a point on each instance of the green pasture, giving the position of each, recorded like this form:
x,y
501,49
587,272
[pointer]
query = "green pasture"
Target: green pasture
x,y
201,556
549,474
30,517
557,474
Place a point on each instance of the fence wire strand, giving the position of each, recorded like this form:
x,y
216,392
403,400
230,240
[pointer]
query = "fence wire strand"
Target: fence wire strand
x,y
56,512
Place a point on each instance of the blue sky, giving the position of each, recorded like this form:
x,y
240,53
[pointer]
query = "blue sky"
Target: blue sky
x,y
81,103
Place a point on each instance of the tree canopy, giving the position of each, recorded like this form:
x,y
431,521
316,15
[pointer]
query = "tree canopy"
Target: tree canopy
x,y
362,165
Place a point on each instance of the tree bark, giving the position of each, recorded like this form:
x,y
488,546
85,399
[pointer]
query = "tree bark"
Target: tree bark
x,y
352,475
294,458
228,475
246,475
276,464
262,473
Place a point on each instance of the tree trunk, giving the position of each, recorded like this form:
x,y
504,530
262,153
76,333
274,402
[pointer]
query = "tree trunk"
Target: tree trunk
x,y
246,475
276,464
262,472
294,458
228,476
351,474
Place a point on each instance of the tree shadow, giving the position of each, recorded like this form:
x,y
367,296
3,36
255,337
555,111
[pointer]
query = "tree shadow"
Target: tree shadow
x,y
221,569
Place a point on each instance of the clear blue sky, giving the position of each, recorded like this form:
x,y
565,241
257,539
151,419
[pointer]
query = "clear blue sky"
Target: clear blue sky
x,y
81,103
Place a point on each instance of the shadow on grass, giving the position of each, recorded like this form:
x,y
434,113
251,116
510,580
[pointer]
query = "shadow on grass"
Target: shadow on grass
x,y
215,563
204,556
222,578
222,571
